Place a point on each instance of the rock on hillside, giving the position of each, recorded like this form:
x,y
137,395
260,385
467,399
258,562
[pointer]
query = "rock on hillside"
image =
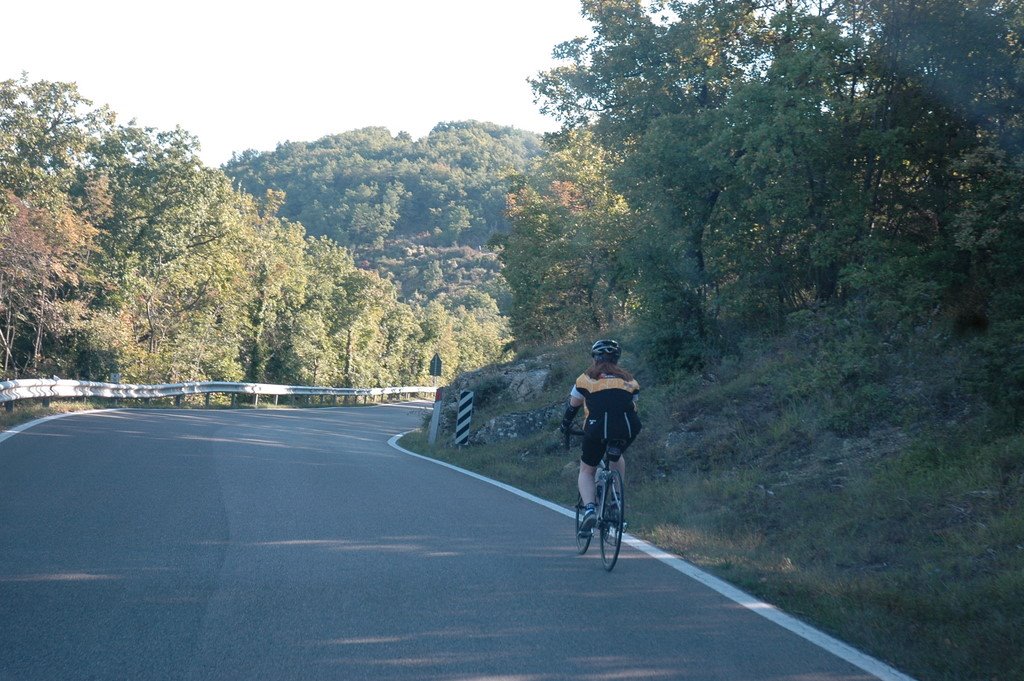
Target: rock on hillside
x,y
498,387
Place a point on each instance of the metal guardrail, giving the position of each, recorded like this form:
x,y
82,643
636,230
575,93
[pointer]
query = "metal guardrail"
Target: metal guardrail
x,y
46,389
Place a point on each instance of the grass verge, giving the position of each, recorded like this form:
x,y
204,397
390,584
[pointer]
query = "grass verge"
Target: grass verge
x,y
23,413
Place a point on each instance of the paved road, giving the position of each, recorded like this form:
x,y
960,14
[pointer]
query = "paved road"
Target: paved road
x,y
217,545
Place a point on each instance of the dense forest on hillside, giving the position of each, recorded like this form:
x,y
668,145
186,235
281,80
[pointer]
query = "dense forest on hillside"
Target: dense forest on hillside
x,y
365,186
418,210
121,253
726,167
722,167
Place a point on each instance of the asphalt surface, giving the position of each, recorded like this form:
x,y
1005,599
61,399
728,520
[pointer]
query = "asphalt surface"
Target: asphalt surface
x,y
296,544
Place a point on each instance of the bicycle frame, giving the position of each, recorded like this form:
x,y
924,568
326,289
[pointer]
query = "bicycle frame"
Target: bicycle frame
x,y
601,481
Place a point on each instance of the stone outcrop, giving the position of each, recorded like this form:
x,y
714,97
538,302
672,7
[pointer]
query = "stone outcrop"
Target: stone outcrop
x,y
514,426
510,384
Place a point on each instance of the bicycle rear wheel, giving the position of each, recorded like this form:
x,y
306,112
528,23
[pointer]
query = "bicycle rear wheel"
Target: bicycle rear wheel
x,y
613,518
582,543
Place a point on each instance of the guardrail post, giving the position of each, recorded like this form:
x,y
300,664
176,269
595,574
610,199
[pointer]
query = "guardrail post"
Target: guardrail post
x,y
46,403
234,400
177,400
9,406
275,399
255,401
435,417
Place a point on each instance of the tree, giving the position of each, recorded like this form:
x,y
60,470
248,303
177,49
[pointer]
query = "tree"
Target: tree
x,y
46,237
173,246
277,267
785,154
45,132
40,258
562,256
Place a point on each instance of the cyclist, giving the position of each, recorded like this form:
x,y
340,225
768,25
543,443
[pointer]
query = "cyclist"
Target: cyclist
x,y
610,419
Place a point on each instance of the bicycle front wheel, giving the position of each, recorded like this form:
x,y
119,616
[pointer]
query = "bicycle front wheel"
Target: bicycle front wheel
x,y
613,519
582,541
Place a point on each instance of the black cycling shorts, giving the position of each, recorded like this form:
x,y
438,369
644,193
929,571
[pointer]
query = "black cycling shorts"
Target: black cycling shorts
x,y
593,450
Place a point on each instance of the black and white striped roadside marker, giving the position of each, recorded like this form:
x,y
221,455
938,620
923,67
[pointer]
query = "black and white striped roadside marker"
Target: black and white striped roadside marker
x,y
465,416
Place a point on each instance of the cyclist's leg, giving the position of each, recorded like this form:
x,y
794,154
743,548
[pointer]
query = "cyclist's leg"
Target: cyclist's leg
x,y
593,450
588,490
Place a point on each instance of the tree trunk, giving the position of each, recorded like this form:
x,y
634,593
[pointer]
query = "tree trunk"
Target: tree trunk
x,y
348,357
40,326
152,325
7,335
259,320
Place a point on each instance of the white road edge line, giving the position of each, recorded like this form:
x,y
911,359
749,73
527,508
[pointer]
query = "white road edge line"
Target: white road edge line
x,y
21,427
841,650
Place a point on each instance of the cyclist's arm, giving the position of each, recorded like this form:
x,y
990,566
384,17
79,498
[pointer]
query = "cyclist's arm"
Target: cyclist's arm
x,y
575,402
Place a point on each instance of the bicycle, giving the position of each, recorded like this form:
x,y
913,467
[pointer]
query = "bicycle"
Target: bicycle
x,y
611,507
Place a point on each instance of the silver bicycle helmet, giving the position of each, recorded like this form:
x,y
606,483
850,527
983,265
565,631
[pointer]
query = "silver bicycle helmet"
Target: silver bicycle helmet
x,y
606,351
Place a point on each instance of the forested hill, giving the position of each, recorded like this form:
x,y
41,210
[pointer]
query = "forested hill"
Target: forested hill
x,y
420,210
123,254
366,185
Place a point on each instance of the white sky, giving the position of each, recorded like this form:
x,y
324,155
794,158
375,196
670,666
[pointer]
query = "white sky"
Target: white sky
x,y
249,74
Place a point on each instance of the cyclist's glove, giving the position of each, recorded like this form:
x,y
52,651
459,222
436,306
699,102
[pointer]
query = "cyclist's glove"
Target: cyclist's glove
x,y
567,418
